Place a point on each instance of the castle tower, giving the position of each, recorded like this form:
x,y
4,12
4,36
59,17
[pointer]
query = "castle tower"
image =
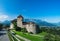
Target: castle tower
x,y
19,21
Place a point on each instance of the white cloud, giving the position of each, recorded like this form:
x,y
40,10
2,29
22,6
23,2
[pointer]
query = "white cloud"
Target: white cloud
x,y
3,17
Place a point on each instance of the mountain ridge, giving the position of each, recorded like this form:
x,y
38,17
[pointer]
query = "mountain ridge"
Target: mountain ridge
x,y
37,21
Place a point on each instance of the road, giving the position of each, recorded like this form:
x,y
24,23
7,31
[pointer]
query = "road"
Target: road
x,y
4,35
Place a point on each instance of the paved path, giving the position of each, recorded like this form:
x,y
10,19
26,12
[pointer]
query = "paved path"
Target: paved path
x,y
14,36
4,35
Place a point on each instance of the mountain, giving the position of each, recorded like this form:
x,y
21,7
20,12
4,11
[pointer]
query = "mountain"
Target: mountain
x,y
6,22
58,24
39,22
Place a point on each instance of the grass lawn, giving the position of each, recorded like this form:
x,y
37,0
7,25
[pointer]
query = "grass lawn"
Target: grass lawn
x,y
30,37
42,34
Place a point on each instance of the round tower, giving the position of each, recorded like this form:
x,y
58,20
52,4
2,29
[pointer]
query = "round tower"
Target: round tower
x,y
19,21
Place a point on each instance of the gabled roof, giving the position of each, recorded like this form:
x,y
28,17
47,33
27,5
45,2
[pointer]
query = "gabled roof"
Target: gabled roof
x,y
24,23
31,23
20,16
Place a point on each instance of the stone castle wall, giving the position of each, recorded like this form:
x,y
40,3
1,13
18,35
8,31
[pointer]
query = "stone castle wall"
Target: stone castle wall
x,y
31,28
11,26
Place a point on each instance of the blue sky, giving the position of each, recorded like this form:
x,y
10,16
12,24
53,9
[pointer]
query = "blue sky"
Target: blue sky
x,y
47,10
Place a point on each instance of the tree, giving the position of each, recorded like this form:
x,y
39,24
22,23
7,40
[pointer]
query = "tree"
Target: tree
x,y
23,30
57,38
48,37
1,26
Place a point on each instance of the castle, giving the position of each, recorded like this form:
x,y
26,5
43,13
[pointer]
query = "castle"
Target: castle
x,y
30,26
